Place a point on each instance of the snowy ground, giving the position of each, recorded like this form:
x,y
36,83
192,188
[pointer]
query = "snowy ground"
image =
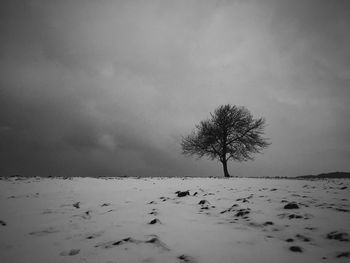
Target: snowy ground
x,y
222,220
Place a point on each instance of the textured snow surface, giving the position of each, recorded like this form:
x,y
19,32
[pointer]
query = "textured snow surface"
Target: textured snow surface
x,y
145,220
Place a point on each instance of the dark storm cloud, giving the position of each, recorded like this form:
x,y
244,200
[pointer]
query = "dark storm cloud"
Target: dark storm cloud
x,y
108,87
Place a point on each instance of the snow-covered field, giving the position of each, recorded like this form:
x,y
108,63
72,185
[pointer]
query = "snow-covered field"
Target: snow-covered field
x,y
144,220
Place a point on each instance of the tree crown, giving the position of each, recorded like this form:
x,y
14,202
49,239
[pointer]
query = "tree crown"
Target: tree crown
x,y
231,132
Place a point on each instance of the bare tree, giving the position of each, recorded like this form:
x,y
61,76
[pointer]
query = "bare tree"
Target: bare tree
x,y
230,133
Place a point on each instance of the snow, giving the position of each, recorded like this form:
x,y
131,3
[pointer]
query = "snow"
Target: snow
x,y
42,221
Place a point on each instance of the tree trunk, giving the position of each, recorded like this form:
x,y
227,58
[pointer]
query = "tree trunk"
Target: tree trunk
x,y
224,165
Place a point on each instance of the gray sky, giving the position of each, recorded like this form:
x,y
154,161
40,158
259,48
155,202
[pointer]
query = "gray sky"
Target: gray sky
x,y
91,88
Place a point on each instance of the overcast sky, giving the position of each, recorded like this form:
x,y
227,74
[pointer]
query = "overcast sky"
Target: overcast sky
x,y
104,88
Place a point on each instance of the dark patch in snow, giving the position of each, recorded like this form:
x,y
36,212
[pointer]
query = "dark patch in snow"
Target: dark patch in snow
x,y
156,241
186,258
242,212
182,194
310,228
291,205
302,238
291,216
124,240
343,255
296,249
232,208
154,221
44,232
208,194
340,236
71,252
116,243
342,209
94,235
153,240
85,215
203,202
164,198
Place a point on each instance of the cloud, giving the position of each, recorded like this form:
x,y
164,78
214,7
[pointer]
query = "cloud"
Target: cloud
x,y
108,88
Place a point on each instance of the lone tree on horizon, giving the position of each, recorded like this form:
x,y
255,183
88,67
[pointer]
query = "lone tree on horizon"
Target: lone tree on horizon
x,y
230,133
